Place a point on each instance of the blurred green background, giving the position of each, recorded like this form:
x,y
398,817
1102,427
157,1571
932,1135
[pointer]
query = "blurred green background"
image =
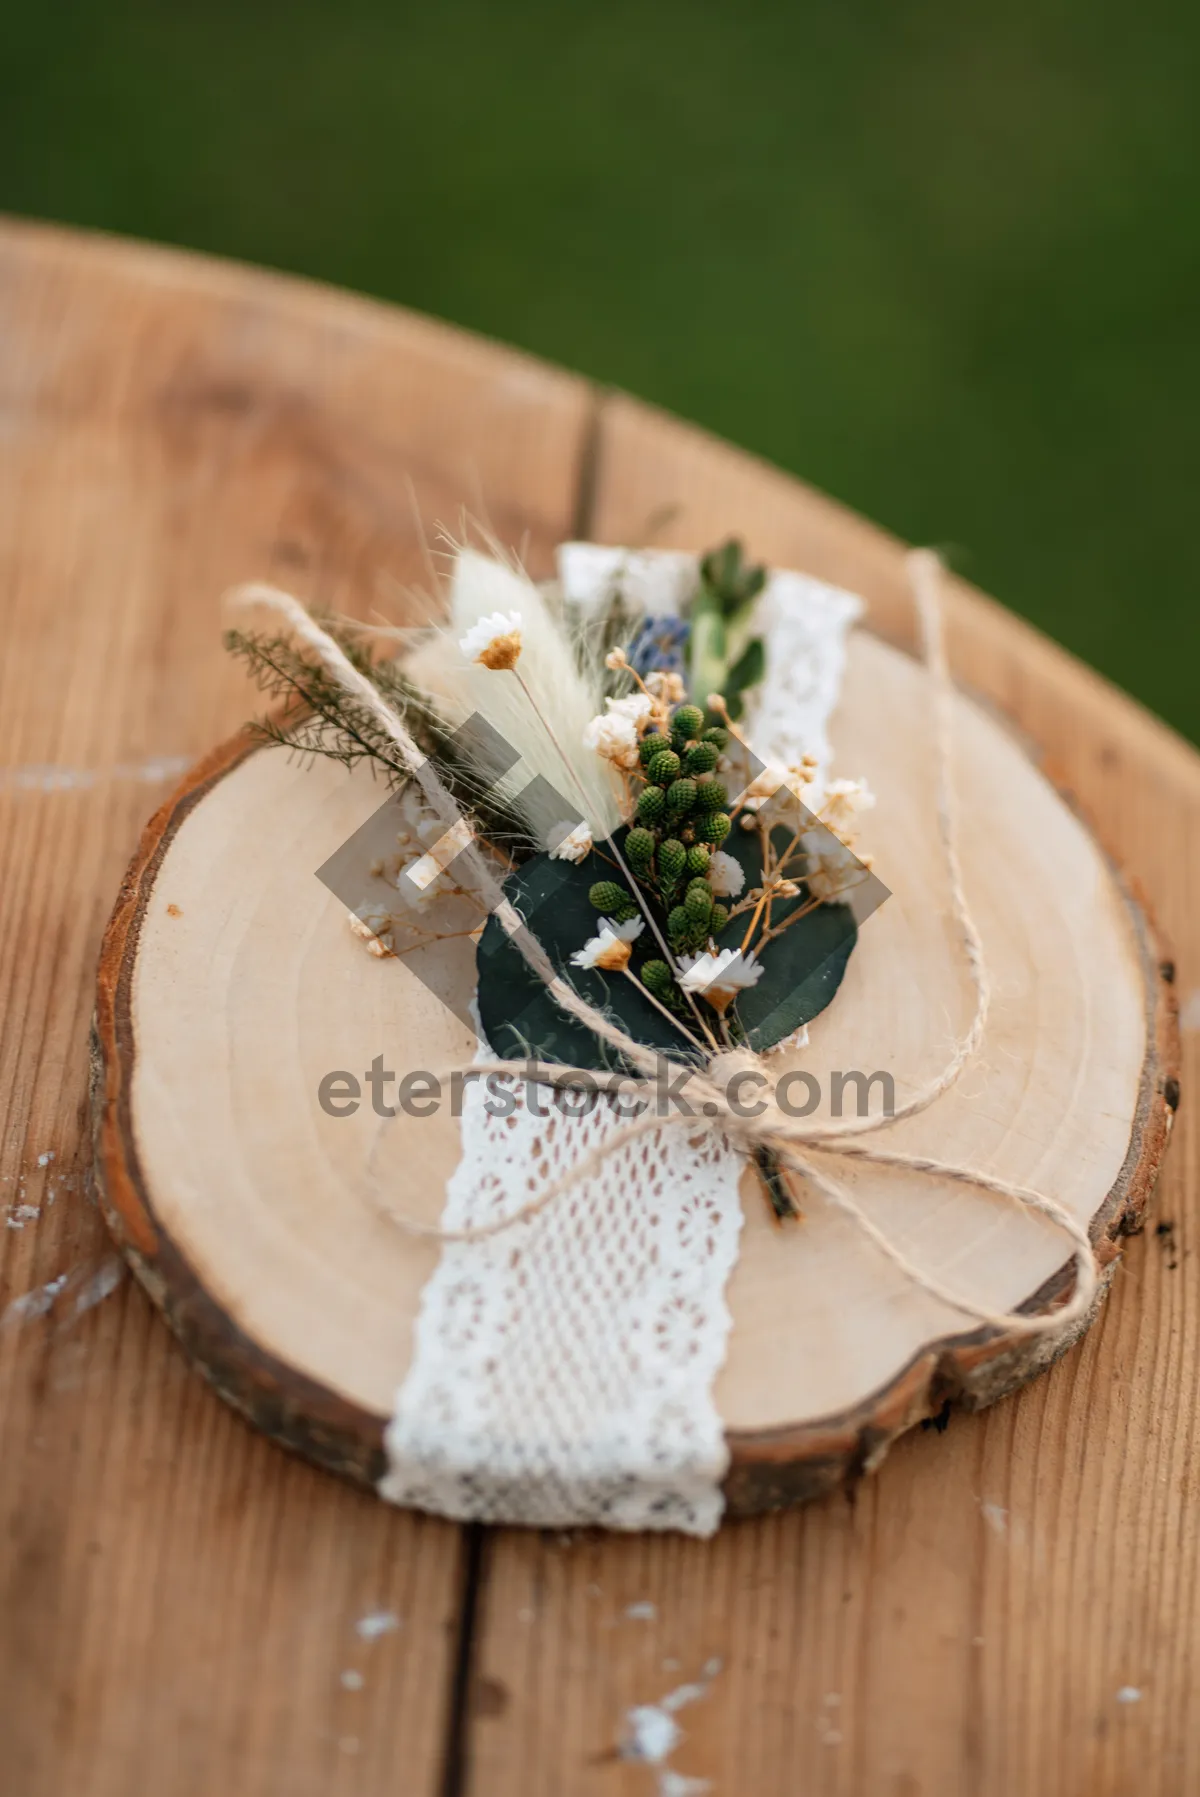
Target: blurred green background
x,y
940,259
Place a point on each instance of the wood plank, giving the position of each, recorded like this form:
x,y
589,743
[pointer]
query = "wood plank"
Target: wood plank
x,y
181,1602
1010,1607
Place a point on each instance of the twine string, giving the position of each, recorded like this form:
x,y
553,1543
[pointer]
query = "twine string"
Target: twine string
x,y
712,1084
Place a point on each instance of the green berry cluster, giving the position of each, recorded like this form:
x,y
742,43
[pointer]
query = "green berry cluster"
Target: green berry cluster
x,y
682,806
613,900
696,918
682,816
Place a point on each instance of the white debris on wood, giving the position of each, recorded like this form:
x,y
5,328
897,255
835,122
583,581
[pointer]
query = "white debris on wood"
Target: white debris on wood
x,y
34,1304
54,777
677,1784
652,1734
91,1285
996,1517
103,1282
376,1623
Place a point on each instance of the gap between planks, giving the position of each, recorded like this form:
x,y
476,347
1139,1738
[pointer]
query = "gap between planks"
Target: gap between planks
x,y
478,1540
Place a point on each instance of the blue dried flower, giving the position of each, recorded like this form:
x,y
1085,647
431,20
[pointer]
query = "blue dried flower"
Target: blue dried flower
x,y
660,646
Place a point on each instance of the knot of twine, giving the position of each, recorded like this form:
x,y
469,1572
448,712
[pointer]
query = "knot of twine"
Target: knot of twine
x,y
718,1083
728,1071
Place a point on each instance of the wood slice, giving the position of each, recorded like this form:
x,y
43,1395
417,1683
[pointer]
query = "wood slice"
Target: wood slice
x,y
229,985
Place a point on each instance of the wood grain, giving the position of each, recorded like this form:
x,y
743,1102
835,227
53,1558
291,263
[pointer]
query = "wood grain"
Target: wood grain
x,y
248,1213
176,1594
1014,1607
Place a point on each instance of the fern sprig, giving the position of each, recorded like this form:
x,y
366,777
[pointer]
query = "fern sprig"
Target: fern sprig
x,y
318,718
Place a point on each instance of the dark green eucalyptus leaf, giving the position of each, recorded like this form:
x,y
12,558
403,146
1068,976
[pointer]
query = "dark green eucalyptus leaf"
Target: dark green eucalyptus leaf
x,y
802,969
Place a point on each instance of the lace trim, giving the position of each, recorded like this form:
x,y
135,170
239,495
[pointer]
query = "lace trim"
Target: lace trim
x,y
805,624
563,1371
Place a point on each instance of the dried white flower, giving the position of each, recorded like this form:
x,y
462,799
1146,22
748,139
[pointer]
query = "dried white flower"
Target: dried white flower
x,y
609,950
667,687
614,733
616,659
719,977
833,870
569,842
725,875
416,872
780,794
634,706
844,800
780,790
494,641
374,928
766,782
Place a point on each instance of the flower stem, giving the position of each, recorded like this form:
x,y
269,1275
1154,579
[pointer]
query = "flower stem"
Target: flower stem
x,y
751,926
621,862
791,918
670,1017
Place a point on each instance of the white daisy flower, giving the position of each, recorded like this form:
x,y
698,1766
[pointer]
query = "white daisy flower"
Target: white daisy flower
x,y
719,977
725,875
614,733
569,842
610,950
494,641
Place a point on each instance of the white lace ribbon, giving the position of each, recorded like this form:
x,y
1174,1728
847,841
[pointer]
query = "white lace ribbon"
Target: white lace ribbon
x,y
563,1370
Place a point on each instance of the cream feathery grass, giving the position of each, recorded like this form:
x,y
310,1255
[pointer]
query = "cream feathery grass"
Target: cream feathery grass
x,y
566,699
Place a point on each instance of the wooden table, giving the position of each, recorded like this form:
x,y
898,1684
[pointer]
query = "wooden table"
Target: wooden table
x,y
1008,1607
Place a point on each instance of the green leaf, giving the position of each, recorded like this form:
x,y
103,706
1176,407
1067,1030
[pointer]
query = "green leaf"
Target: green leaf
x,y
802,969
722,617
739,627
735,584
753,582
747,671
720,566
708,648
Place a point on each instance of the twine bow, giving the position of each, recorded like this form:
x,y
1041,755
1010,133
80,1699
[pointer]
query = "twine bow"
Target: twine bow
x,y
715,1087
